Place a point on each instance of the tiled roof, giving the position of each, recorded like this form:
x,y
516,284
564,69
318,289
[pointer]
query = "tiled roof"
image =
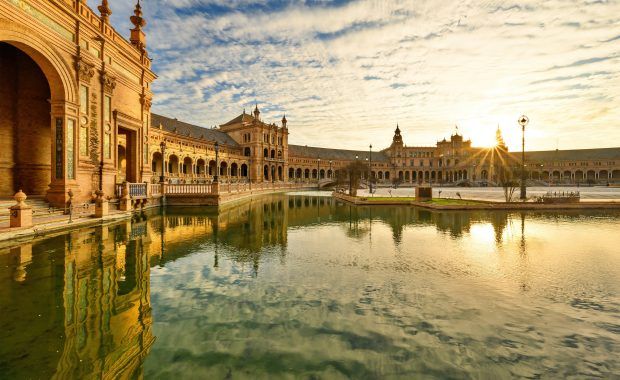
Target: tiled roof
x,y
334,154
185,129
572,154
244,117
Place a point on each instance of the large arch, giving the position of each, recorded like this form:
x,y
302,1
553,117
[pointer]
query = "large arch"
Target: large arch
x,y
52,114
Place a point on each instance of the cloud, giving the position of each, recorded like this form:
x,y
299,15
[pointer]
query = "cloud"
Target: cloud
x,y
353,68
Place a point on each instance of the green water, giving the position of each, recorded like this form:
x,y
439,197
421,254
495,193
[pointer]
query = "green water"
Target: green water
x,y
303,287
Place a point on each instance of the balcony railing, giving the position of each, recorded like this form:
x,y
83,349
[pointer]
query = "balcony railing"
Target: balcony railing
x,y
137,190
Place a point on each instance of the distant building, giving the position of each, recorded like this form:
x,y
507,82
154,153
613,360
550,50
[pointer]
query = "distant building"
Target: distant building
x,y
75,114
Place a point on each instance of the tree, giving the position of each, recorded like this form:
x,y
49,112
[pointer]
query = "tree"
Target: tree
x,y
508,180
351,176
396,181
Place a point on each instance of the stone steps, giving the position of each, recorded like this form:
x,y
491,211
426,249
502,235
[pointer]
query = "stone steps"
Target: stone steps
x,y
39,207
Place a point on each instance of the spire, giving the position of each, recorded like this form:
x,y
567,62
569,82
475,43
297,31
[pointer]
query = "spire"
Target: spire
x,y
500,139
397,139
138,38
256,112
105,11
284,121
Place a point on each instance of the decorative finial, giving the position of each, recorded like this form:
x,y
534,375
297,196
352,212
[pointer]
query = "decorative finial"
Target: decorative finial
x,y
105,11
138,38
137,19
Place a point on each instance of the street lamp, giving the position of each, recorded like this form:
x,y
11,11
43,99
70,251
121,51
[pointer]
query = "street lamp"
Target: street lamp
x,y
217,161
331,175
370,168
162,146
523,121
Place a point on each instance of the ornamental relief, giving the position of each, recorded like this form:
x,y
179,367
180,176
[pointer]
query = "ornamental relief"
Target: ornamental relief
x,y
108,82
146,102
85,70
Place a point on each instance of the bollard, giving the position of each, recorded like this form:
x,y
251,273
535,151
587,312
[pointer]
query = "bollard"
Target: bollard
x,y
21,213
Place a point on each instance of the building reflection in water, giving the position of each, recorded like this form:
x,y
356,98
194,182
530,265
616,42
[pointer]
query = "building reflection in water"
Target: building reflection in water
x,y
80,302
77,306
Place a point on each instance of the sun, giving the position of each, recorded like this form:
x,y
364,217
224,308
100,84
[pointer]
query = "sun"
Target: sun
x,y
483,139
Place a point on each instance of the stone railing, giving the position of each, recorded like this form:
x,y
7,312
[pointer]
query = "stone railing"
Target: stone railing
x,y
155,189
137,190
202,188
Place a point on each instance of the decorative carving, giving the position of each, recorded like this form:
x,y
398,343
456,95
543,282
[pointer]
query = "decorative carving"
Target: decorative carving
x,y
85,70
105,11
108,82
94,132
146,102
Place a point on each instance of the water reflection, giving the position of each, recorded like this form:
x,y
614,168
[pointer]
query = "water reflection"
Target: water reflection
x,y
76,305
311,286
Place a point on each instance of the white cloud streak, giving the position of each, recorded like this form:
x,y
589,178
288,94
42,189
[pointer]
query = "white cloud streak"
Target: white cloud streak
x,y
346,74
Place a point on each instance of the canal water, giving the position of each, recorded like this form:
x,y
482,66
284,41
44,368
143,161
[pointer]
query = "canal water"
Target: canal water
x,y
302,286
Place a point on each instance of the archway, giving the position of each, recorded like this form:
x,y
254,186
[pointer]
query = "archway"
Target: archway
x,y
157,164
212,168
234,169
223,169
173,165
187,166
247,151
25,124
280,173
200,167
266,172
57,168
244,170
291,173
298,173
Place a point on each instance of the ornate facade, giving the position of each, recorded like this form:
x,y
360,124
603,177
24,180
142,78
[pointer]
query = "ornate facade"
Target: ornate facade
x,y
75,114
71,89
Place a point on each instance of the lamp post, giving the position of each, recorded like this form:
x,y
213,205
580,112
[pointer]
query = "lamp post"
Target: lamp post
x,y
162,146
217,161
370,168
331,175
523,121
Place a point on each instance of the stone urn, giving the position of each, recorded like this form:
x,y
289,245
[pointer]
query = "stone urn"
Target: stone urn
x,y
20,197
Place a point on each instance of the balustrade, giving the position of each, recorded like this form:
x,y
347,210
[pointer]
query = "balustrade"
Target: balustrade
x,y
194,188
137,190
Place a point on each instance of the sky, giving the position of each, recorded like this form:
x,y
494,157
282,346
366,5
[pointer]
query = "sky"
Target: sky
x,y
347,72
